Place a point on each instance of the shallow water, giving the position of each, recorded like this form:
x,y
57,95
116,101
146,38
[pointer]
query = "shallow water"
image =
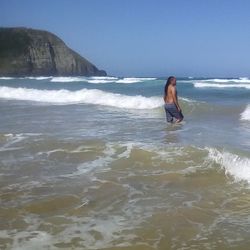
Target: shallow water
x,y
86,165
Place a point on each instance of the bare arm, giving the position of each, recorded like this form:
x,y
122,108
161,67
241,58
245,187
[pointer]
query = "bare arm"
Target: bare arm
x,y
165,98
175,98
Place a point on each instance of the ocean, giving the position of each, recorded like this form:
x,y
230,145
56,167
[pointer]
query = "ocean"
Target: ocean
x,y
91,163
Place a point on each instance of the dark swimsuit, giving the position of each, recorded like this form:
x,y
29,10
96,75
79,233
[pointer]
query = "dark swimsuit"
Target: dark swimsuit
x,y
172,112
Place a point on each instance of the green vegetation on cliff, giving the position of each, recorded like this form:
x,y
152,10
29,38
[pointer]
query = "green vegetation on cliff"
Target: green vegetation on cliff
x,y
13,42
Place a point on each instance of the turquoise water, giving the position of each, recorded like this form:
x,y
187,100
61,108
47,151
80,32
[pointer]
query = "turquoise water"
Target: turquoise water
x,y
90,163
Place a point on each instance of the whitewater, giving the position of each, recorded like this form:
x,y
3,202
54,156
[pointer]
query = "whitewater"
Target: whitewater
x,y
91,163
89,96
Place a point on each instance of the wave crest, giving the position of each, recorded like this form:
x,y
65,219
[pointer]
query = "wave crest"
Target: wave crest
x,y
88,96
235,80
101,79
234,165
245,115
67,79
219,85
134,80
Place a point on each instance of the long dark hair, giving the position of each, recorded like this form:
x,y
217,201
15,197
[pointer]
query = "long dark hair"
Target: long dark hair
x,y
167,83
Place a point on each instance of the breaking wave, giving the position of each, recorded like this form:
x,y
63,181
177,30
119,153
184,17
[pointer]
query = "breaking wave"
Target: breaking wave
x,y
219,85
245,115
67,79
134,80
6,78
38,77
232,80
101,79
27,77
243,82
234,165
87,96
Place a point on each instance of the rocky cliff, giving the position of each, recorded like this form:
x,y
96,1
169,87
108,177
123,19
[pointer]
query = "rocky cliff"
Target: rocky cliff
x,y
30,52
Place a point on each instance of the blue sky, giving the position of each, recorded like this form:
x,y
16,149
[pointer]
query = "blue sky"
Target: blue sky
x,y
146,37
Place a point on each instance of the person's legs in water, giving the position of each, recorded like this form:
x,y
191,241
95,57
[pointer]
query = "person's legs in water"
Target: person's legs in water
x,y
168,114
173,112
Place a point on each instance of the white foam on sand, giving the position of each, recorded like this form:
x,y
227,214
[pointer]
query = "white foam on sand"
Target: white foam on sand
x,y
234,165
87,96
245,115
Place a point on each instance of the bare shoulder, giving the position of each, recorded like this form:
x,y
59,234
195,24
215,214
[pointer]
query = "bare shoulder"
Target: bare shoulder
x,y
172,89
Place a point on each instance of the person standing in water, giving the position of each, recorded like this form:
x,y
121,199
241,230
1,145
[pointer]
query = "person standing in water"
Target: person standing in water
x,y
172,106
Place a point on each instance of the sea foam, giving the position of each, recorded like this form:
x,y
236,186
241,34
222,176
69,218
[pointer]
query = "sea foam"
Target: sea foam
x,y
6,78
67,79
232,80
234,165
101,79
27,77
219,85
134,80
38,77
245,115
87,96
94,79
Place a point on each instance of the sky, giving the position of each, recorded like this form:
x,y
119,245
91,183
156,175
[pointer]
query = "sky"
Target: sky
x,y
145,37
